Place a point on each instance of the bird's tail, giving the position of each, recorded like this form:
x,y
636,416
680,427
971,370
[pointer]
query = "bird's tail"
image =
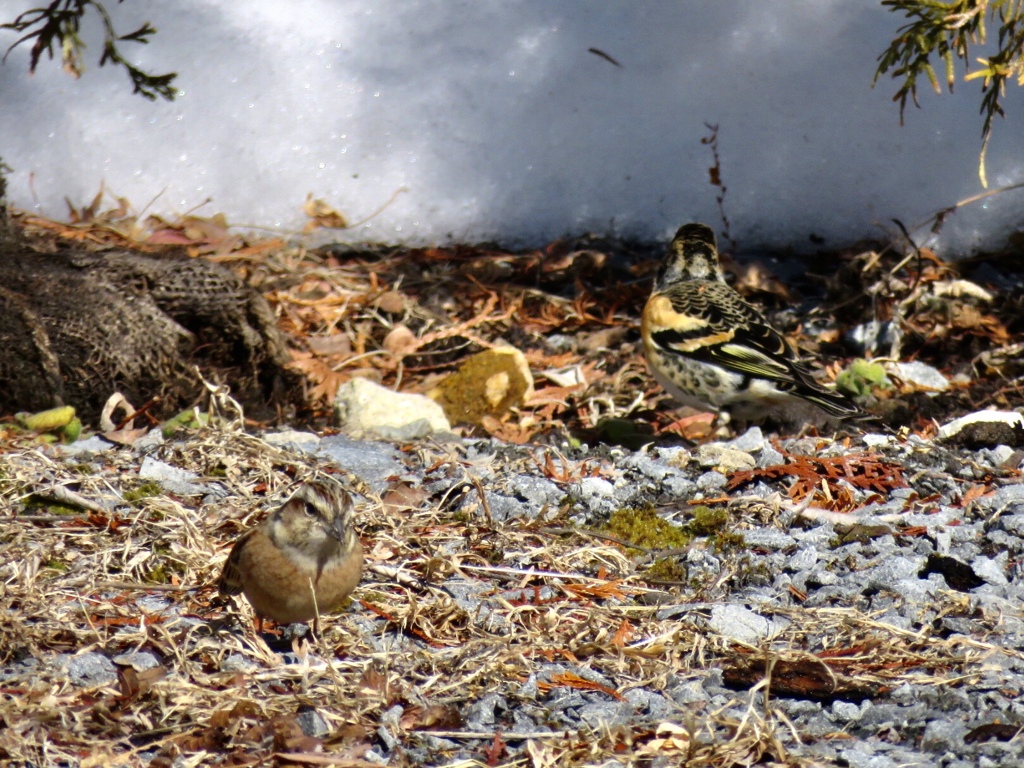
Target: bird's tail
x,y
836,404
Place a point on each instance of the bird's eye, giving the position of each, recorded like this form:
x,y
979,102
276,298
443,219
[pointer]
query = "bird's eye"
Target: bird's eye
x,y
311,509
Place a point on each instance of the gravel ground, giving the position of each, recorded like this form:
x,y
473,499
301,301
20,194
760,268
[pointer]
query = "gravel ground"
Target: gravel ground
x,y
500,621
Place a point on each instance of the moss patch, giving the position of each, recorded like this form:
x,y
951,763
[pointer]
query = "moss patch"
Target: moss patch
x,y
36,503
146,490
645,528
486,384
666,569
707,521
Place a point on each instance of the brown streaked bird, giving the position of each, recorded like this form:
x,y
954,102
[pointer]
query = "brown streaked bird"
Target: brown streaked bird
x,y
711,349
302,561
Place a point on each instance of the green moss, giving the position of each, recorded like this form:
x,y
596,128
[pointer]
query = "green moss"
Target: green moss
x,y
645,528
166,568
666,569
707,521
189,419
713,523
146,490
56,565
725,542
36,503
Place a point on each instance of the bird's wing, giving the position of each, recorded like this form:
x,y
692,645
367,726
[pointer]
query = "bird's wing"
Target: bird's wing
x,y
230,582
709,321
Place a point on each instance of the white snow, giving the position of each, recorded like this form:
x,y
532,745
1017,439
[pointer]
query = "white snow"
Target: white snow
x,y
500,123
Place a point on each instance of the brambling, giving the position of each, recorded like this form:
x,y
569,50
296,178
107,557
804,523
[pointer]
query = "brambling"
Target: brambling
x,y
302,561
711,349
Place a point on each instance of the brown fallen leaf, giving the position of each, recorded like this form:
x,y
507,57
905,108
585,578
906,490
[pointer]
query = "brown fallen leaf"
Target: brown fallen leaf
x,y
400,341
570,680
402,496
321,214
443,717
135,683
327,346
805,678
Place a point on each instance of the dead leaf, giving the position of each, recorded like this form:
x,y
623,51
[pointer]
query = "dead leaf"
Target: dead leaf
x,y
400,341
607,590
135,683
321,214
402,497
443,717
809,677
393,302
289,736
375,683
325,379
316,758
570,680
125,436
337,344
495,749
669,738
623,634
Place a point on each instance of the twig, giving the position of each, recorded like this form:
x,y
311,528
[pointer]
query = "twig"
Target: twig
x,y
62,495
602,537
144,587
483,498
505,736
142,411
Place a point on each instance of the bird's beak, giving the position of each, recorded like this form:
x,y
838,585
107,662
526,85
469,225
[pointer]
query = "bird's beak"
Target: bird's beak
x,y
337,529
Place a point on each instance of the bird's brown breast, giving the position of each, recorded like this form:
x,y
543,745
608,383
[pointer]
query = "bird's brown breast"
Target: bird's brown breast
x,y
287,587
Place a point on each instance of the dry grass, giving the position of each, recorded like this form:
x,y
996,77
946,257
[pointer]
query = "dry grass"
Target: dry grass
x,y
549,615
454,605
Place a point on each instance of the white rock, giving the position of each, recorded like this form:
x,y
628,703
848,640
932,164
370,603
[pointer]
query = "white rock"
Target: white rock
x,y
364,407
173,479
724,458
921,375
293,438
750,441
1011,418
743,625
1001,454
872,440
992,571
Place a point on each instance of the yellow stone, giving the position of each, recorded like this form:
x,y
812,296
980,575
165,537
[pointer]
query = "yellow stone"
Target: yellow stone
x,y
489,383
